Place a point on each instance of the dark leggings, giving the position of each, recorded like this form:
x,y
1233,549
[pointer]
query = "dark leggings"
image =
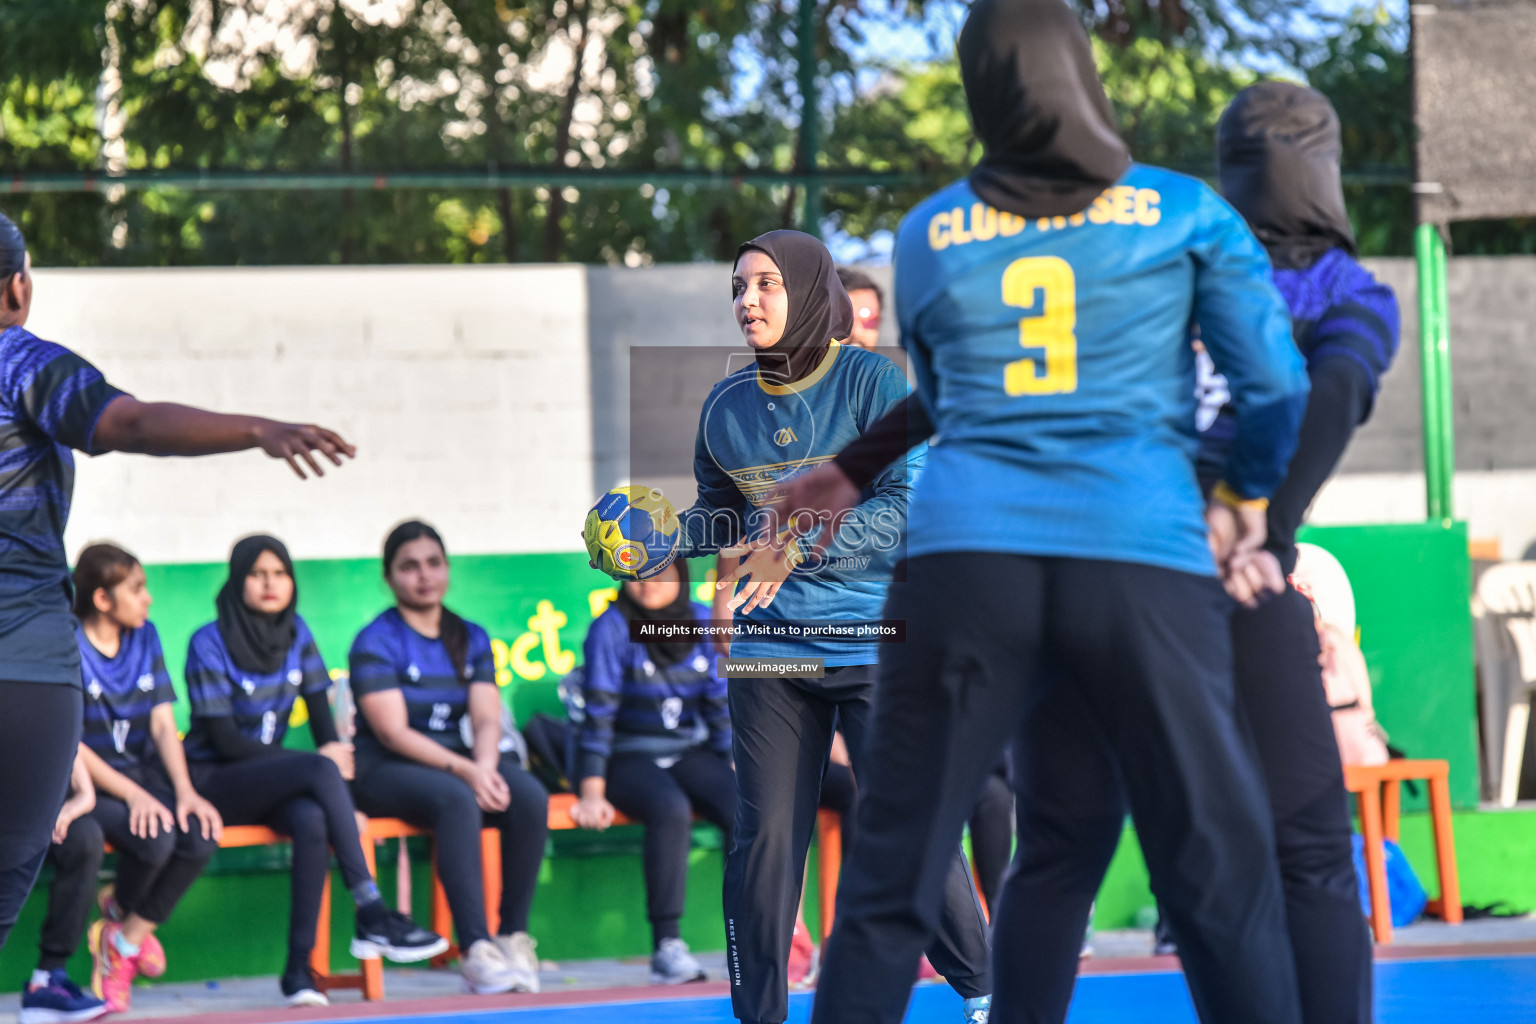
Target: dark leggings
x,y
839,793
39,732
76,863
664,800
1281,698
153,873
392,787
992,836
303,796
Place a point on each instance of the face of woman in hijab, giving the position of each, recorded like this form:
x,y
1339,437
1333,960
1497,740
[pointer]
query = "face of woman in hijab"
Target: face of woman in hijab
x,y
658,591
268,587
761,301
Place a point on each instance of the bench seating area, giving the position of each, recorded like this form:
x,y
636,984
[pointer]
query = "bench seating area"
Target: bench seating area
x,y
370,977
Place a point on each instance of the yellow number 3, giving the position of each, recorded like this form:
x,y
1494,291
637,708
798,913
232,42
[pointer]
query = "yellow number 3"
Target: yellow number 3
x,y
1046,286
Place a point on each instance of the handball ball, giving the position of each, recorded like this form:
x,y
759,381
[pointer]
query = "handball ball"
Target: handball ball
x,y
632,533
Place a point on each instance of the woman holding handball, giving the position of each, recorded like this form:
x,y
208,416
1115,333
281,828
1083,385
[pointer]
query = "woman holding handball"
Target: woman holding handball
x,y
51,401
804,397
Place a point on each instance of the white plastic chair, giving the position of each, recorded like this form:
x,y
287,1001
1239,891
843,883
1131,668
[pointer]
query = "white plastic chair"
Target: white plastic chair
x,y
1504,626
1320,574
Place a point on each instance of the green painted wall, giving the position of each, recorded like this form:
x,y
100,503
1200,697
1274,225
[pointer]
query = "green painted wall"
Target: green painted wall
x,y
1413,592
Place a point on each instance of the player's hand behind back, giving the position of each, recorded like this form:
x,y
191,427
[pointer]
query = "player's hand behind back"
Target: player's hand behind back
x,y
824,495
1236,534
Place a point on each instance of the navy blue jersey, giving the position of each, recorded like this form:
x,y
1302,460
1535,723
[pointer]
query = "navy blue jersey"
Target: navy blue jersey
x,y
1054,355
389,655
120,692
634,705
50,400
259,703
1339,310
753,435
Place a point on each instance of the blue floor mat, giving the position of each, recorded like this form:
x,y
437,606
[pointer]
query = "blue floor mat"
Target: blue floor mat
x,y
1493,990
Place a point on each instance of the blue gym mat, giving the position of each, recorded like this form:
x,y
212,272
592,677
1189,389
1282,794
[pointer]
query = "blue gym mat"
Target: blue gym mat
x,y
1487,990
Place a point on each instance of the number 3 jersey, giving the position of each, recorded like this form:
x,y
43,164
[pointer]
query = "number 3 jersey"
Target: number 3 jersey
x,y
1055,356
120,693
259,703
389,655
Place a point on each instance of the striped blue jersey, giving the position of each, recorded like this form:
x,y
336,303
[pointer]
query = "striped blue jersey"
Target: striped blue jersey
x,y
389,655
120,693
753,434
260,703
1339,310
50,400
1054,354
635,705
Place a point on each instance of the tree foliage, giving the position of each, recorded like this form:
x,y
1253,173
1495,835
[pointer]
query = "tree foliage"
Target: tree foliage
x,y
648,85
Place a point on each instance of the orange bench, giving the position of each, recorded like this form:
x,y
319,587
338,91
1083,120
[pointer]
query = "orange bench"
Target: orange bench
x,y
1378,789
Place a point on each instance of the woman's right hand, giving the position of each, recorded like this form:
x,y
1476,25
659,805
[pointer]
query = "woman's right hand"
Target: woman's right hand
x,y
148,817
490,789
339,754
293,442
594,812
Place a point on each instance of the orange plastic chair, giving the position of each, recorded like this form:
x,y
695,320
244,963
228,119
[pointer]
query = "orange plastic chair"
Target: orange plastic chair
x,y
1378,790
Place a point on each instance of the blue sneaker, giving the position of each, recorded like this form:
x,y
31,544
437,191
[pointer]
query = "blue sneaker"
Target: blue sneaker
x,y
977,1010
60,1001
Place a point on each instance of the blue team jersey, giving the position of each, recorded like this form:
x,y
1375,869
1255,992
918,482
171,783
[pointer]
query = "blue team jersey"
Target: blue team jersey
x,y
389,655
1055,356
752,435
259,703
120,693
634,705
50,400
1339,310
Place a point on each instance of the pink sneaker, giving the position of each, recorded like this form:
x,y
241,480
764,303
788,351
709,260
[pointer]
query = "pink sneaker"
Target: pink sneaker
x,y
151,958
112,973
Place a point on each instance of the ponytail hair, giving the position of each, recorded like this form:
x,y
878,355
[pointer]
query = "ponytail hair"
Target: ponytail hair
x,y
100,566
454,632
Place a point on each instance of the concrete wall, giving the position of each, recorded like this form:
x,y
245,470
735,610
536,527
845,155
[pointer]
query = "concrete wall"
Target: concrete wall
x,y
466,390
1493,371
496,401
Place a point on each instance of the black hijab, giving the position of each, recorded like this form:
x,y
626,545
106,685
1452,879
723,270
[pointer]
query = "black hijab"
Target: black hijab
x,y
1048,133
819,308
1277,149
256,641
663,653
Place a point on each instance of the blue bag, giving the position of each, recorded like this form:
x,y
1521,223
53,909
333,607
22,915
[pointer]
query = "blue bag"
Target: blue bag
x,y
1406,896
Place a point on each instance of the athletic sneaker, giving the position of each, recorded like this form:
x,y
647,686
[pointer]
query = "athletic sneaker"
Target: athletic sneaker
x,y
397,937
672,964
151,958
517,950
486,970
300,989
59,1001
106,902
977,1010
112,973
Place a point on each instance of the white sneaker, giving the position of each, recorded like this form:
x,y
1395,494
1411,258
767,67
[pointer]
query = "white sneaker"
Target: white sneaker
x,y
673,964
518,950
486,971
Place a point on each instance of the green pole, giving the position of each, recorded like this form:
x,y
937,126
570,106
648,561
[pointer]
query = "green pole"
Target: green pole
x,y
1435,361
810,117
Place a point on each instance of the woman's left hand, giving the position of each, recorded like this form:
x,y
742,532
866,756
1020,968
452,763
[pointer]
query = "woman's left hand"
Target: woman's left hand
x,y
341,754
768,562
196,807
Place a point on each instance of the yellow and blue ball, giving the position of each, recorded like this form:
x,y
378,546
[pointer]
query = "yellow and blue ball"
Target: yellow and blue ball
x,y
632,533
